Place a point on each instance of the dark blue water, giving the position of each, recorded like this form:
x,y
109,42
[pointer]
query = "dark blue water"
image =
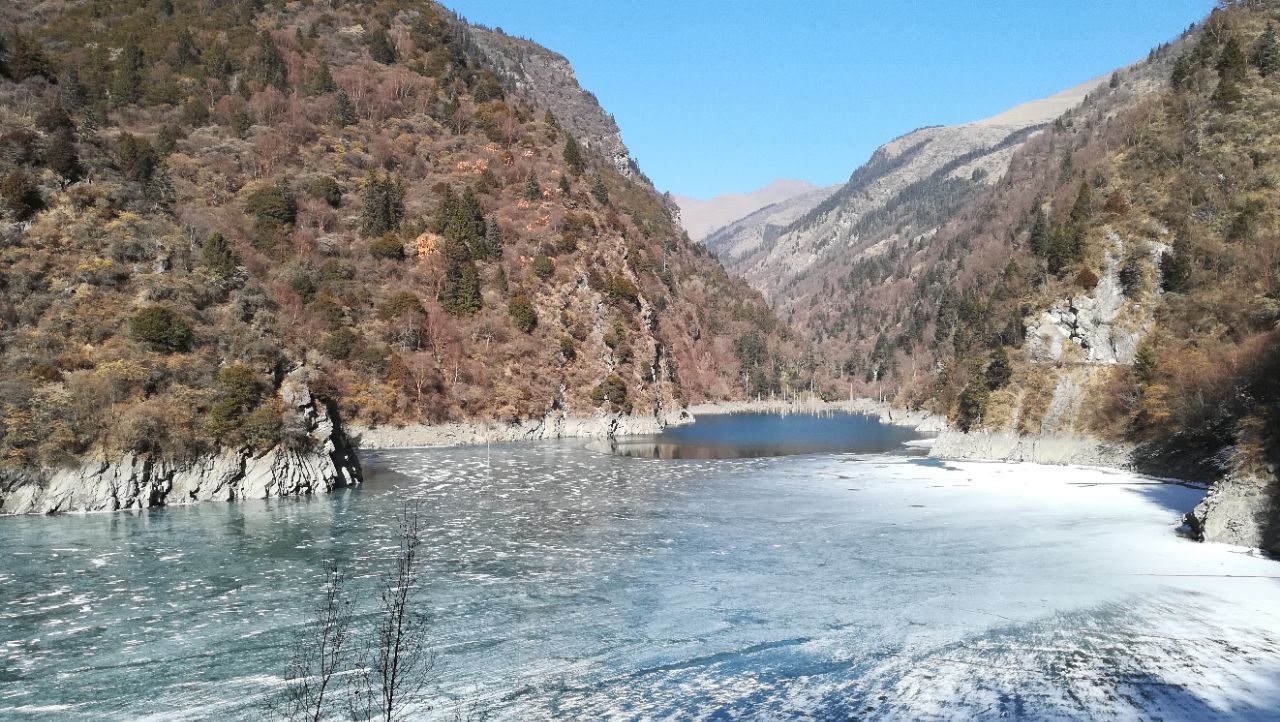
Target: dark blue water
x,y
731,436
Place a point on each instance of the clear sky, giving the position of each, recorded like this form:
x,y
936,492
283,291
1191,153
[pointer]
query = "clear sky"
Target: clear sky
x,y
717,96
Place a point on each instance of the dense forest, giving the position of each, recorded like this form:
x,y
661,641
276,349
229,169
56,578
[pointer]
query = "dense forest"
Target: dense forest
x,y
201,195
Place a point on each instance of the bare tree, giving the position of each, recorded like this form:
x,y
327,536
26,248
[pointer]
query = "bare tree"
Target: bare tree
x,y
318,655
400,664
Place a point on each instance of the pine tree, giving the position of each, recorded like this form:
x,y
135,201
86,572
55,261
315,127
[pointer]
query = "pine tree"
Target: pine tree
x,y
72,90
564,184
1227,96
344,113
380,47
999,372
460,292
600,191
532,191
184,50
382,209
1232,63
1039,239
1175,268
1266,52
573,155
218,256
322,82
61,156
126,78
1182,71
271,68
493,239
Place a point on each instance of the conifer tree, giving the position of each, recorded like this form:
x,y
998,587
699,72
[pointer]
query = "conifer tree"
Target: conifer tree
x,y
460,292
126,78
493,239
600,191
573,155
61,156
380,47
1266,52
72,90
271,68
1039,239
382,209
322,82
1232,63
344,113
218,256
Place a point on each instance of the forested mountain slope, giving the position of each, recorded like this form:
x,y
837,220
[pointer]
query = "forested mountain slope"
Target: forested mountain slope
x,y
200,195
1121,281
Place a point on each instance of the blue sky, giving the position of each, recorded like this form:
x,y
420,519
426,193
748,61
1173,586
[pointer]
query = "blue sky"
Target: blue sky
x,y
717,96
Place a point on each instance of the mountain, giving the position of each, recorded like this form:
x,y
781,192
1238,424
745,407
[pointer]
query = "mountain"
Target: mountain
x,y
701,217
1112,297
229,229
750,236
547,78
907,187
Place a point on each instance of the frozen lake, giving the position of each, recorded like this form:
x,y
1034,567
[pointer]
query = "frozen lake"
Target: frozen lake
x,y
570,584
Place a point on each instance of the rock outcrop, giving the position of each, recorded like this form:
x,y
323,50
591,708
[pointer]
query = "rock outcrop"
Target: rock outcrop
x,y
1102,323
1030,448
555,425
548,79
320,460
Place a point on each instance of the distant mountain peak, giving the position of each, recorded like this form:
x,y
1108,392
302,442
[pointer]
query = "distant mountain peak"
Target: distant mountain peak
x,y
702,217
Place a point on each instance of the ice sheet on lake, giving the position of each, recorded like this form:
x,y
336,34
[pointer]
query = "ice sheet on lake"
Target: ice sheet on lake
x,y
567,584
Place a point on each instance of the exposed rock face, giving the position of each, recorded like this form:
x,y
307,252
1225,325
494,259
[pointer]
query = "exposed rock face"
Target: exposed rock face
x,y
548,79
1034,448
1242,508
1102,323
555,425
324,462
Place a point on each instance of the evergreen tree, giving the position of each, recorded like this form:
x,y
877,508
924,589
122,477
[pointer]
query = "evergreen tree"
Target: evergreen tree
x,y
532,191
159,191
460,292
218,256
72,90
1266,52
573,155
382,209
344,113
1232,63
1039,239
61,156
4,58
999,372
184,50
493,239
1227,96
550,119
564,184
270,68
600,191
1182,72
126,78
380,47
322,82
1175,268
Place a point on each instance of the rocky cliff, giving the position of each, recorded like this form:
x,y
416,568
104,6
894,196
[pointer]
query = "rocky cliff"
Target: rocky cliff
x,y
548,79
319,459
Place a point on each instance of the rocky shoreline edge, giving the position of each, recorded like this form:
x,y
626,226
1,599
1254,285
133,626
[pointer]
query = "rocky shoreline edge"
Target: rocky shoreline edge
x,y
326,461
